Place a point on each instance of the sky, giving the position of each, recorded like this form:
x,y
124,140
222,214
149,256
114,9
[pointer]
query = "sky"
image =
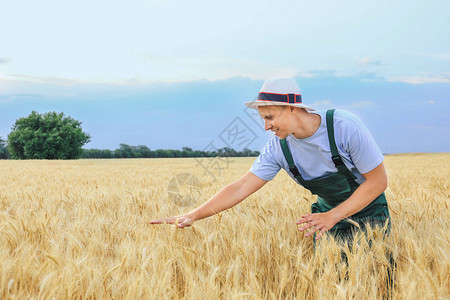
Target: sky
x,y
169,74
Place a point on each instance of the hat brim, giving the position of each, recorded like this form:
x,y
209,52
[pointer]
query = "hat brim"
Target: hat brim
x,y
256,104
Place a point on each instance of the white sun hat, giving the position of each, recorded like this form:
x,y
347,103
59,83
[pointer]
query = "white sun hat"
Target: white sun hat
x,y
279,92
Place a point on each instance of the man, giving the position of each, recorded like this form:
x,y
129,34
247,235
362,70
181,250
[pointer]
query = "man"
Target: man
x,y
331,153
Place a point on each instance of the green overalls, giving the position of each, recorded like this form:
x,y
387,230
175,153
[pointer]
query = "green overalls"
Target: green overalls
x,y
338,187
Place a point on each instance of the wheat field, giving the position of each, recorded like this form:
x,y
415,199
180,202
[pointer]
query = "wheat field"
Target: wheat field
x,y
79,229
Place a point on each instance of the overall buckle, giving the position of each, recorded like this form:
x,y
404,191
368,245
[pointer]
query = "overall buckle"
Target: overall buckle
x,y
337,160
294,171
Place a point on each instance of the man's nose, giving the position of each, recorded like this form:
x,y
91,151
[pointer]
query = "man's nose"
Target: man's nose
x,y
267,125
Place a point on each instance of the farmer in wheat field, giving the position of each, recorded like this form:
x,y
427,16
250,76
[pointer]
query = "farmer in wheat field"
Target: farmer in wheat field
x,y
331,153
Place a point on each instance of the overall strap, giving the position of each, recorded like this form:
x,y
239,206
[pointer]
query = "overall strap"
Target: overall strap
x,y
288,156
337,160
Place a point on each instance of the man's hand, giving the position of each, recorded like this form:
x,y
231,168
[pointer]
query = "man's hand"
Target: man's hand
x,y
375,184
321,222
228,197
181,221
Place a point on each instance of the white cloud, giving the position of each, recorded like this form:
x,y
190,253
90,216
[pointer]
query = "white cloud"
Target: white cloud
x,y
425,127
321,104
367,62
44,80
362,104
441,55
423,78
326,104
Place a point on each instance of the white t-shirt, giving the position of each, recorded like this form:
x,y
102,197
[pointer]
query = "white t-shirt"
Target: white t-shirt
x,y
312,155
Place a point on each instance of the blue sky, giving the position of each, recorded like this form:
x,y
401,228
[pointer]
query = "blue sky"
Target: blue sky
x,y
169,74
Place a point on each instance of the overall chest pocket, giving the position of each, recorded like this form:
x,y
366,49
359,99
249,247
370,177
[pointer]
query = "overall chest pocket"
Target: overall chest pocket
x,y
333,189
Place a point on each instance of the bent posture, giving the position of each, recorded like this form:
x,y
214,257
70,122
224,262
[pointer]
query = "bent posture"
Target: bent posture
x,y
331,153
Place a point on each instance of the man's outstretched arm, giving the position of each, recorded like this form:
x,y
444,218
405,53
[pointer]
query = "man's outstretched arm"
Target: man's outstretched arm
x,y
227,197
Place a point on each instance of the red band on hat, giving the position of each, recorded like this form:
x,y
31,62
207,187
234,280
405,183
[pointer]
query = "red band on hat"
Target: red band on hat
x,y
284,98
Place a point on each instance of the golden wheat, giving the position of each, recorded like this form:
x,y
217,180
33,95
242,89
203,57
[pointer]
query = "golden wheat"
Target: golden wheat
x,y
78,229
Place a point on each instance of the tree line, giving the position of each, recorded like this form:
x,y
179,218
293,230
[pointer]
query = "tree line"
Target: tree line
x,y
141,151
56,136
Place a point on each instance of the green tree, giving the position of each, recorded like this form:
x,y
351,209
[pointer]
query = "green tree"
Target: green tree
x,y
124,151
246,152
97,153
161,153
143,151
187,152
47,136
4,153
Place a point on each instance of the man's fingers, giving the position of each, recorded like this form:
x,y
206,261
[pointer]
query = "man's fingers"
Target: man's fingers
x,y
185,223
304,219
320,221
179,224
182,225
163,221
309,225
312,231
320,234
179,221
168,220
157,221
301,221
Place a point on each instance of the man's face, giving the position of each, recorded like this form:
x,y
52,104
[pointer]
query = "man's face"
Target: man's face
x,y
276,119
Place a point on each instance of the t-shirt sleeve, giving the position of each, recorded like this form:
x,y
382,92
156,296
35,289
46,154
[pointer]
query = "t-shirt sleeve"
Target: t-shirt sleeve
x,y
265,166
363,149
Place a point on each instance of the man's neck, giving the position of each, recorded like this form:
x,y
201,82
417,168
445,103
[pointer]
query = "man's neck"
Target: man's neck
x,y
306,124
